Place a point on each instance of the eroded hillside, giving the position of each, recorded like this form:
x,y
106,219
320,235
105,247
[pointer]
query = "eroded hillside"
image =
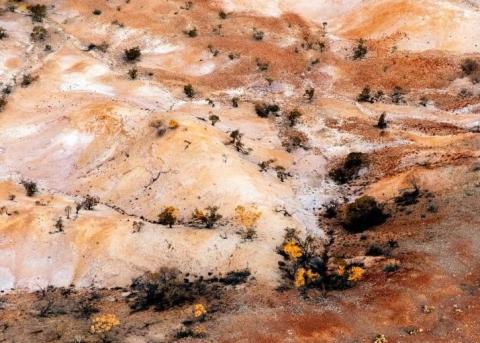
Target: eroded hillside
x,y
311,170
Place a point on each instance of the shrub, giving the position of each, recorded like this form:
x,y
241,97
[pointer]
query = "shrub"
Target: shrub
x,y
173,124
97,12
360,50
265,165
247,218
391,267
189,91
132,73
309,93
236,141
27,80
234,278
282,173
213,119
349,169
258,35
263,110
191,32
168,216
38,12
222,14
137,226
132,54
30,187
294,139
469,66
39,33
58,225
3,33
408,197
374,250
365,95
208,217
362,214
3,103
89,202
104,323
397,95
382,123
159,127
293,117
235,102
195,332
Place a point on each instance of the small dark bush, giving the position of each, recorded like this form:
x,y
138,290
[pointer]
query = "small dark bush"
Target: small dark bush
x,y
365,95
132,54
391,267
382,123
293,117
189,91
38,12
235,102
236,141
349,169
97,12
213,119
222,15
362,214
90,202
30,187
330,210
159,127
408,197
374,250
282,173
309,93
3,103
469,66
3,33
262,66
186,332
39,33
191,32
360,50
236,277
132,73
263,110
397,95
258,35
27,80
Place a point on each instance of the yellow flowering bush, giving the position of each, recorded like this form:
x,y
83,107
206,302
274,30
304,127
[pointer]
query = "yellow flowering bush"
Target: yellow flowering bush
x,y
104,323
355,274
247,217
292,250
172,124
304,276
199,310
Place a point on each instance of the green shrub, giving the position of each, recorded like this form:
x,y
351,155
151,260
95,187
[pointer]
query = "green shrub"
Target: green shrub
x,y
362,214
39,33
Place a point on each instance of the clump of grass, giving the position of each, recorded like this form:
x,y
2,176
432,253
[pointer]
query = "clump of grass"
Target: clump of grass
x,y
30,187
189,91
132,54
360,51
349,169
38,12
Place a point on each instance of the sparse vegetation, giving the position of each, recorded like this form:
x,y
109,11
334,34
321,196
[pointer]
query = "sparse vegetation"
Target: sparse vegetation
x,y
96,12
38,12
360,51
27,80
282,173
222,14
262,65
168,216
397,95
235,102
349,169
132,54
59,226
159,127
309,93
365,95
363,214
247,217
208,217
30,187
408,197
